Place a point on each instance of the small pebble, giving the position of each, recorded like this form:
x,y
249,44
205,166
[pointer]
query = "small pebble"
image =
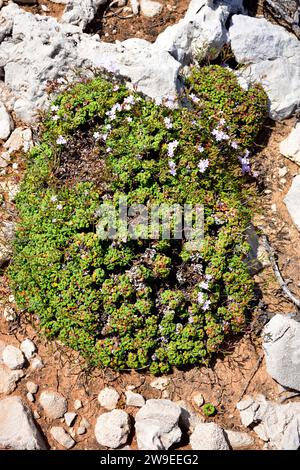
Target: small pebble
x,y
30,397
77,404
70,418
32,387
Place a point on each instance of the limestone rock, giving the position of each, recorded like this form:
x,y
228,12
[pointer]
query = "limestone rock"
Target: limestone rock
x,y
281,343
160,383
134,399
238,440
17,428
290,147
6,123
272,57
70,418
157,425
62,437
151,8
81,12
108,398
13,357
53,404
28,348
112,429
208,436
9,379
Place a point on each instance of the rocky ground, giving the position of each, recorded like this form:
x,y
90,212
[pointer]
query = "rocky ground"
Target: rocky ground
x,y
56,399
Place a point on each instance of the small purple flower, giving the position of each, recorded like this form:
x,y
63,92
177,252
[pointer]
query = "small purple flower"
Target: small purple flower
x,y
206,305
171,147
54,108
222,122
55,117
158,101
245,164
203,165
234,145
208,277
108,150
59,207
204,285
129,119
219,135
194,98
170,102
129,100
200,298
61,140
200,148
172,167
168,123
96,135
53,199
116,88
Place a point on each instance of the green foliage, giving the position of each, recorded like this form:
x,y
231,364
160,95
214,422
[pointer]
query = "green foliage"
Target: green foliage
x,y
139,303
208,409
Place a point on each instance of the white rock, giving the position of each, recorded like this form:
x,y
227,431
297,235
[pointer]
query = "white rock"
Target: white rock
x,y
6,123
28,348
30,397
238,440
9,379
13,357
32,387
161,383
150,8
18,139
81,12
62,437
53,404
36,363
281,343
17,427
134,4
208,436
9,313
276,424
198,399
77,404
81,430
290,147
134,399
157,425
108,398
112,429
189,419
272,56
70,418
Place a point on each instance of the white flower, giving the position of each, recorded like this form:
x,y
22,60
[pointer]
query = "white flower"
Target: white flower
x,y
206,305
200,298
55,117
204,285
53,199
108,150
220,135
59,207
129,119
200,148
158,101
96,135
222,122
203,165
194,98
116,88
54,108
234,145
168,123
129,100
172,166
171,147
61,140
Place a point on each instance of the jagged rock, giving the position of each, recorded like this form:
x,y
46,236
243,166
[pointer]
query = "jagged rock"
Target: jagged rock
x,y
108,398
198,399
17,428
189,419
62,437
160,383
208,436
157,425
281,343
36,363
276,424
28,348
134,399
272,56
6,123
81,12
135,7
20,139
9,379
112,429
286,13
238,440
290,147
53,404
200,33
9,313
13,357
77,404
70,418
150,8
